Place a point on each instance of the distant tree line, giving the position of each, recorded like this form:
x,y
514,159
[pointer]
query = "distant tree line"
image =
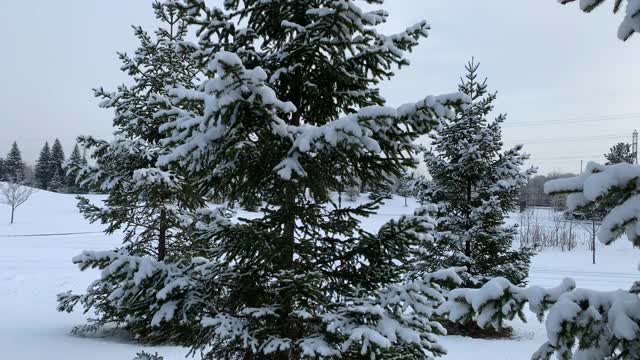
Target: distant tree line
x,y
48,172
533,193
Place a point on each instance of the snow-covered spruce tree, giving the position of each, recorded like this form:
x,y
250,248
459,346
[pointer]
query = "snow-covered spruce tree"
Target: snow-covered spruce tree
x,y
56,160
13,165
410,185
57,182
475,185
631,22
620,153
145,202
41,175
75,159
292,111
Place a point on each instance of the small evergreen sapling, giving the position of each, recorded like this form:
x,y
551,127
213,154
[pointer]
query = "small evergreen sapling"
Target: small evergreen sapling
x,y
476,185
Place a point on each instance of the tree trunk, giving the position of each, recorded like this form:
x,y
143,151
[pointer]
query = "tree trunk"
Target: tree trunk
x,y
467,250
162,237
593,240
13,210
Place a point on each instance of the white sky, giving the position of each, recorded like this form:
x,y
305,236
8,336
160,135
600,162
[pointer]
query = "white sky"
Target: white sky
x,y
562,76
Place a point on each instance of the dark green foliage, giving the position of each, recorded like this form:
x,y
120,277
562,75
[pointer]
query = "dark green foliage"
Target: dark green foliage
x,y
42,175
2,170
58,183
476,185
287,284
150,205
620,153
75,160
14,168
147,356
56,172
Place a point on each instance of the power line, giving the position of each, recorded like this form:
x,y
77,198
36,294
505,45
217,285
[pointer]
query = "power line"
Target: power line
x,y
56,234
577,139
572,157
574,120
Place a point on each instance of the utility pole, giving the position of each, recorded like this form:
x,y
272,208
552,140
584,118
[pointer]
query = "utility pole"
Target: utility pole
x,y
634,146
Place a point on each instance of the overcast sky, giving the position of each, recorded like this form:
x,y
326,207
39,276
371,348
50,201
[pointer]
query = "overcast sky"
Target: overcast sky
x,y
563,77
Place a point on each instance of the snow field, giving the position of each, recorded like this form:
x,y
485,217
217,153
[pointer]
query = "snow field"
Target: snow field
x,y
34,269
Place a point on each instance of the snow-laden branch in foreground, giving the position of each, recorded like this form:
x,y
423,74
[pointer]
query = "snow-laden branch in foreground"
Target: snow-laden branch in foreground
x,y
616,185
606,325
499,300
631,22
603,323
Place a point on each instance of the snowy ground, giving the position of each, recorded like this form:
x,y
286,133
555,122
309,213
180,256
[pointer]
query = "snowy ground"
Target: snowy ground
x,y
34,269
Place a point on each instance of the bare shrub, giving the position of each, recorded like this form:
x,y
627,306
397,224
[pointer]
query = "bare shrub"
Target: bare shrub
x,y
558,233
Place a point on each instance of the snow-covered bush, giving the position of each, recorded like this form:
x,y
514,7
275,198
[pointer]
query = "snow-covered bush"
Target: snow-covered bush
x,y
535,233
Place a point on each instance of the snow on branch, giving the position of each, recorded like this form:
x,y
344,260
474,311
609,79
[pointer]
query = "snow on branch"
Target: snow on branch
x,y
400,314
499,300
604,323
364,131
631,22
124,280
617,186
234,92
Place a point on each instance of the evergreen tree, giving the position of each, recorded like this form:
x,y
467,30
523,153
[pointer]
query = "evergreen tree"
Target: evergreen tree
x,y
2,170
42,175
620,153
408,186
75,160
290,111
58,183
145,201
57,160
476,185
13,165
